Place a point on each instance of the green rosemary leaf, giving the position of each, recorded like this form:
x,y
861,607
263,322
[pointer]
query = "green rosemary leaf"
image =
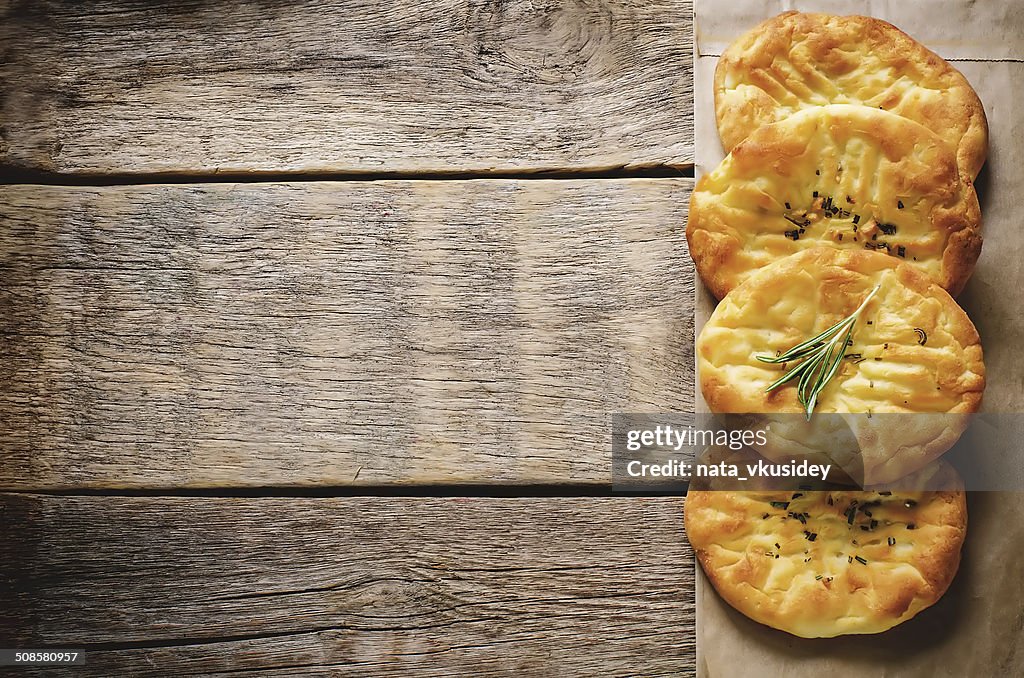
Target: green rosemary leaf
x,y
828,370
839,357
792,374
808,377
790,355
819,356
810,344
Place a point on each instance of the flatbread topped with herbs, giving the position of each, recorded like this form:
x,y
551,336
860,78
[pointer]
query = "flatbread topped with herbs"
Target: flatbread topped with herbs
x,y
845,176
796,61
824,563
910,349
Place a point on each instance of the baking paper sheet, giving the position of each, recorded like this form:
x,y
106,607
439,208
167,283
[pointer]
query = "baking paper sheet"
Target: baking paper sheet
x,y
977,629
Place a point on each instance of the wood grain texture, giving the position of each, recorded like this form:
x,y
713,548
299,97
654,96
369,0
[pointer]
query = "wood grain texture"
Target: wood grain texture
x,y
353,586
177,86
336,333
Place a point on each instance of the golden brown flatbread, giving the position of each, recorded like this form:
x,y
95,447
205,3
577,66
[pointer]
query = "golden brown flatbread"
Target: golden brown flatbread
x,y
795,61
847,176
913,350
823,563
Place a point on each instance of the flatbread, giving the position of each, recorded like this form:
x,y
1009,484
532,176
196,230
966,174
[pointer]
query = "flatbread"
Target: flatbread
x,y
824,563
846,176
795,61
914,350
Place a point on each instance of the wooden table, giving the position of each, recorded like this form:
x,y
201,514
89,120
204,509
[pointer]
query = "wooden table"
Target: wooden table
x,y
312,319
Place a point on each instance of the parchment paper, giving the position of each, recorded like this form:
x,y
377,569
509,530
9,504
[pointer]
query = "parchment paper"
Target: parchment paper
x,y
977,629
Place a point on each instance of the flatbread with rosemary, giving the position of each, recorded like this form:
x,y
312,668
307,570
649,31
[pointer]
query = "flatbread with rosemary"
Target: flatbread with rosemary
x,y
912,350
846,176
824,563
796,61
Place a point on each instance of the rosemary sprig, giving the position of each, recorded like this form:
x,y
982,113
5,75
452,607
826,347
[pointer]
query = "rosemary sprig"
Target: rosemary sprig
x,y
819,358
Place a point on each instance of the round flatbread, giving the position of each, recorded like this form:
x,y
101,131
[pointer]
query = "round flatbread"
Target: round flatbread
x,y
824,563
796,61
913,350
846,176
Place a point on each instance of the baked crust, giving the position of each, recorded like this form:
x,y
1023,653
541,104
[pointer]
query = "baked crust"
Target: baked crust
x,y
888,369
847,176
796,60
895,557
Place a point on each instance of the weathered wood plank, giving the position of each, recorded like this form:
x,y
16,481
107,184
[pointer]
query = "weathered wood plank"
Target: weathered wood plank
x,y
361,586
345,85
336,333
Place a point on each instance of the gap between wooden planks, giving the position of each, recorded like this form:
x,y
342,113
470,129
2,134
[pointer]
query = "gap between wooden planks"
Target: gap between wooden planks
x,y
322,333
157,586
121,86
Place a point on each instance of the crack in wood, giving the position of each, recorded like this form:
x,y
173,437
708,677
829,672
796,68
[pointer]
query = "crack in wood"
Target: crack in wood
x,y
14,175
